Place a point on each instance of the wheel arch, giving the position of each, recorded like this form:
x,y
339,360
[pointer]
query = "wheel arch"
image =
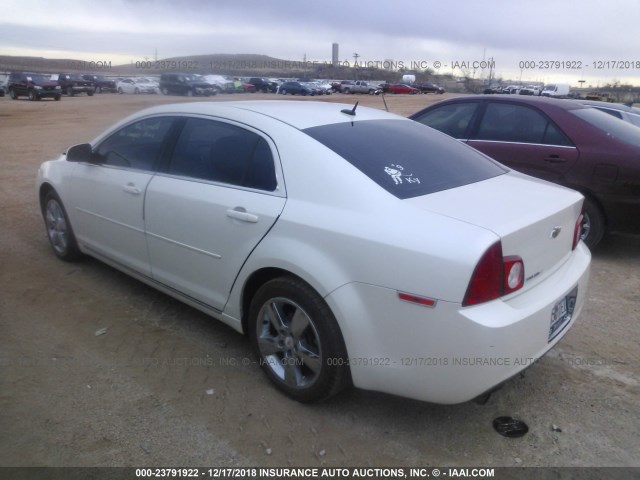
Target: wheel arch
x,y
588,194
43,191
253,283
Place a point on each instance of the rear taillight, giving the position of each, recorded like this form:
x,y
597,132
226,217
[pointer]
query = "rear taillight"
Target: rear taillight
x,y
577,232
494,276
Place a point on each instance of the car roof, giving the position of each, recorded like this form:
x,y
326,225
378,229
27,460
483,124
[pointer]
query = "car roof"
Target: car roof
x,y
298,114
543,102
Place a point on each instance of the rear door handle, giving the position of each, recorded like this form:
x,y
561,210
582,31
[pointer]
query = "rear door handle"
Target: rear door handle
x,y
132,189
240,213
555,159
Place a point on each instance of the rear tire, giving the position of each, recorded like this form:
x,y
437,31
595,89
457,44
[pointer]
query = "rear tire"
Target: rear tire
x,y
593,224
298,340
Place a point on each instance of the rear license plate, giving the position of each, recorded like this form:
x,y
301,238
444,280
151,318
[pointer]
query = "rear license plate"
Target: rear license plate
x,y
561,313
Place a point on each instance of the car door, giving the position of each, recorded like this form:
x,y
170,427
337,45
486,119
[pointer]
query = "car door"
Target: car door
x,y
22,85
525,139
216,199
108,194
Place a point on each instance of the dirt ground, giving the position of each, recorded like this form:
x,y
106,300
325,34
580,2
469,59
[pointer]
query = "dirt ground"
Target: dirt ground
x,y
166,385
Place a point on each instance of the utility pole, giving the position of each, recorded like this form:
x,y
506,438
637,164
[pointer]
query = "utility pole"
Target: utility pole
x,y
355,64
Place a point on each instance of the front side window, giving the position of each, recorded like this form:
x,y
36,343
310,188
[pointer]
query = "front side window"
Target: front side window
x,y
220,152
137,145
508,122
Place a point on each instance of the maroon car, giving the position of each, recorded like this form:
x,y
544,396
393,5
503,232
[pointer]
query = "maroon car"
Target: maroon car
x,y
556,140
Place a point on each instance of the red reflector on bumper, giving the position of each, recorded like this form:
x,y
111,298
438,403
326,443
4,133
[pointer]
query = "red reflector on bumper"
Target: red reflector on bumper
x,y
425,302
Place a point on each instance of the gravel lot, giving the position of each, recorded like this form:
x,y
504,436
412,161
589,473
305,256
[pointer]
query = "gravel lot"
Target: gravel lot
x,y
166,385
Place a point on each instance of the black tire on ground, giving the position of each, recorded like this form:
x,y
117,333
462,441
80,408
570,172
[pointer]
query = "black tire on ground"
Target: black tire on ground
x,y
12,94
57,98
298,340
32,96
90,94
58,227
70,91
593,223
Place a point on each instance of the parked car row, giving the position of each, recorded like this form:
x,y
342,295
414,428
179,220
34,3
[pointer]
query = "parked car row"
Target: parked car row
x,y
37,86
348,86
551,90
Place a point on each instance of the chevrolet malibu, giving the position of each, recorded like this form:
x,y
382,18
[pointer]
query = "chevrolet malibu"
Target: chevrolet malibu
x,y
352,246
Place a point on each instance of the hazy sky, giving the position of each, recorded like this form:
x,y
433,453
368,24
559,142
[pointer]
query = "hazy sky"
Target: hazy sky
x,y
578,32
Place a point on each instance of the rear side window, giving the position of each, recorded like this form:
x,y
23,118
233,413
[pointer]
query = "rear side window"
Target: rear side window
x,y
507,122
453,119
220,152
137,145
613,113
404,157
610,125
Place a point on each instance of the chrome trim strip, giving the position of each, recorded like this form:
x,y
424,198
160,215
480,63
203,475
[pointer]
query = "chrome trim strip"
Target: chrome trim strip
x,y
521,143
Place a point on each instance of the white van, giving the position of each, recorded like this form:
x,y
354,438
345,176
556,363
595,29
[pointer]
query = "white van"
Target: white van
x,y
556,90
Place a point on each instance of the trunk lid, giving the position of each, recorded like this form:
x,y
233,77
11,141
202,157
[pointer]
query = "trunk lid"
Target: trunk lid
x,y
534,219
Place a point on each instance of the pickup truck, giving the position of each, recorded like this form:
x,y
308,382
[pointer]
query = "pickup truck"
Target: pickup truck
x,y
361,87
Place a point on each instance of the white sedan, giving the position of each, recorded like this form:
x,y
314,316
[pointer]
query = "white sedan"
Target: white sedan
x,y
353,246
137,85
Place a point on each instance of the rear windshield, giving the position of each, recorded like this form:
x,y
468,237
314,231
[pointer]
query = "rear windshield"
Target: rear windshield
x,y
406,158
612,126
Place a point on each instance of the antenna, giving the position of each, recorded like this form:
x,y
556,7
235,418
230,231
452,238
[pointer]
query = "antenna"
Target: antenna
x,y
351,112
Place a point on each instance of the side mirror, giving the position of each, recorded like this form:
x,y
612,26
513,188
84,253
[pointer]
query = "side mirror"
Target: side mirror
x,y
80,153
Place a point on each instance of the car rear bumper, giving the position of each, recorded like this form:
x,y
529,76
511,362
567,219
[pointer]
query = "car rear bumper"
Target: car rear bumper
x,y
450,354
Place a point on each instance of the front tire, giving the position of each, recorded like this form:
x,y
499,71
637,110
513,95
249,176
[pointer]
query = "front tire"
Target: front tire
x,y
59,230
298,341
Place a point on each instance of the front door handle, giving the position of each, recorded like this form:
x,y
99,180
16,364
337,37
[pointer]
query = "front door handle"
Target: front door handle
x,y
132,189
240,213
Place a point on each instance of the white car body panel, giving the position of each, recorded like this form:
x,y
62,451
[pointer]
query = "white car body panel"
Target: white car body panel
x,y
353,242
106,208
195,243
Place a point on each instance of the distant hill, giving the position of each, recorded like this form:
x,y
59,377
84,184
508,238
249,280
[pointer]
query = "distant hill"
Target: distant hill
x,y
223,64
240,65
